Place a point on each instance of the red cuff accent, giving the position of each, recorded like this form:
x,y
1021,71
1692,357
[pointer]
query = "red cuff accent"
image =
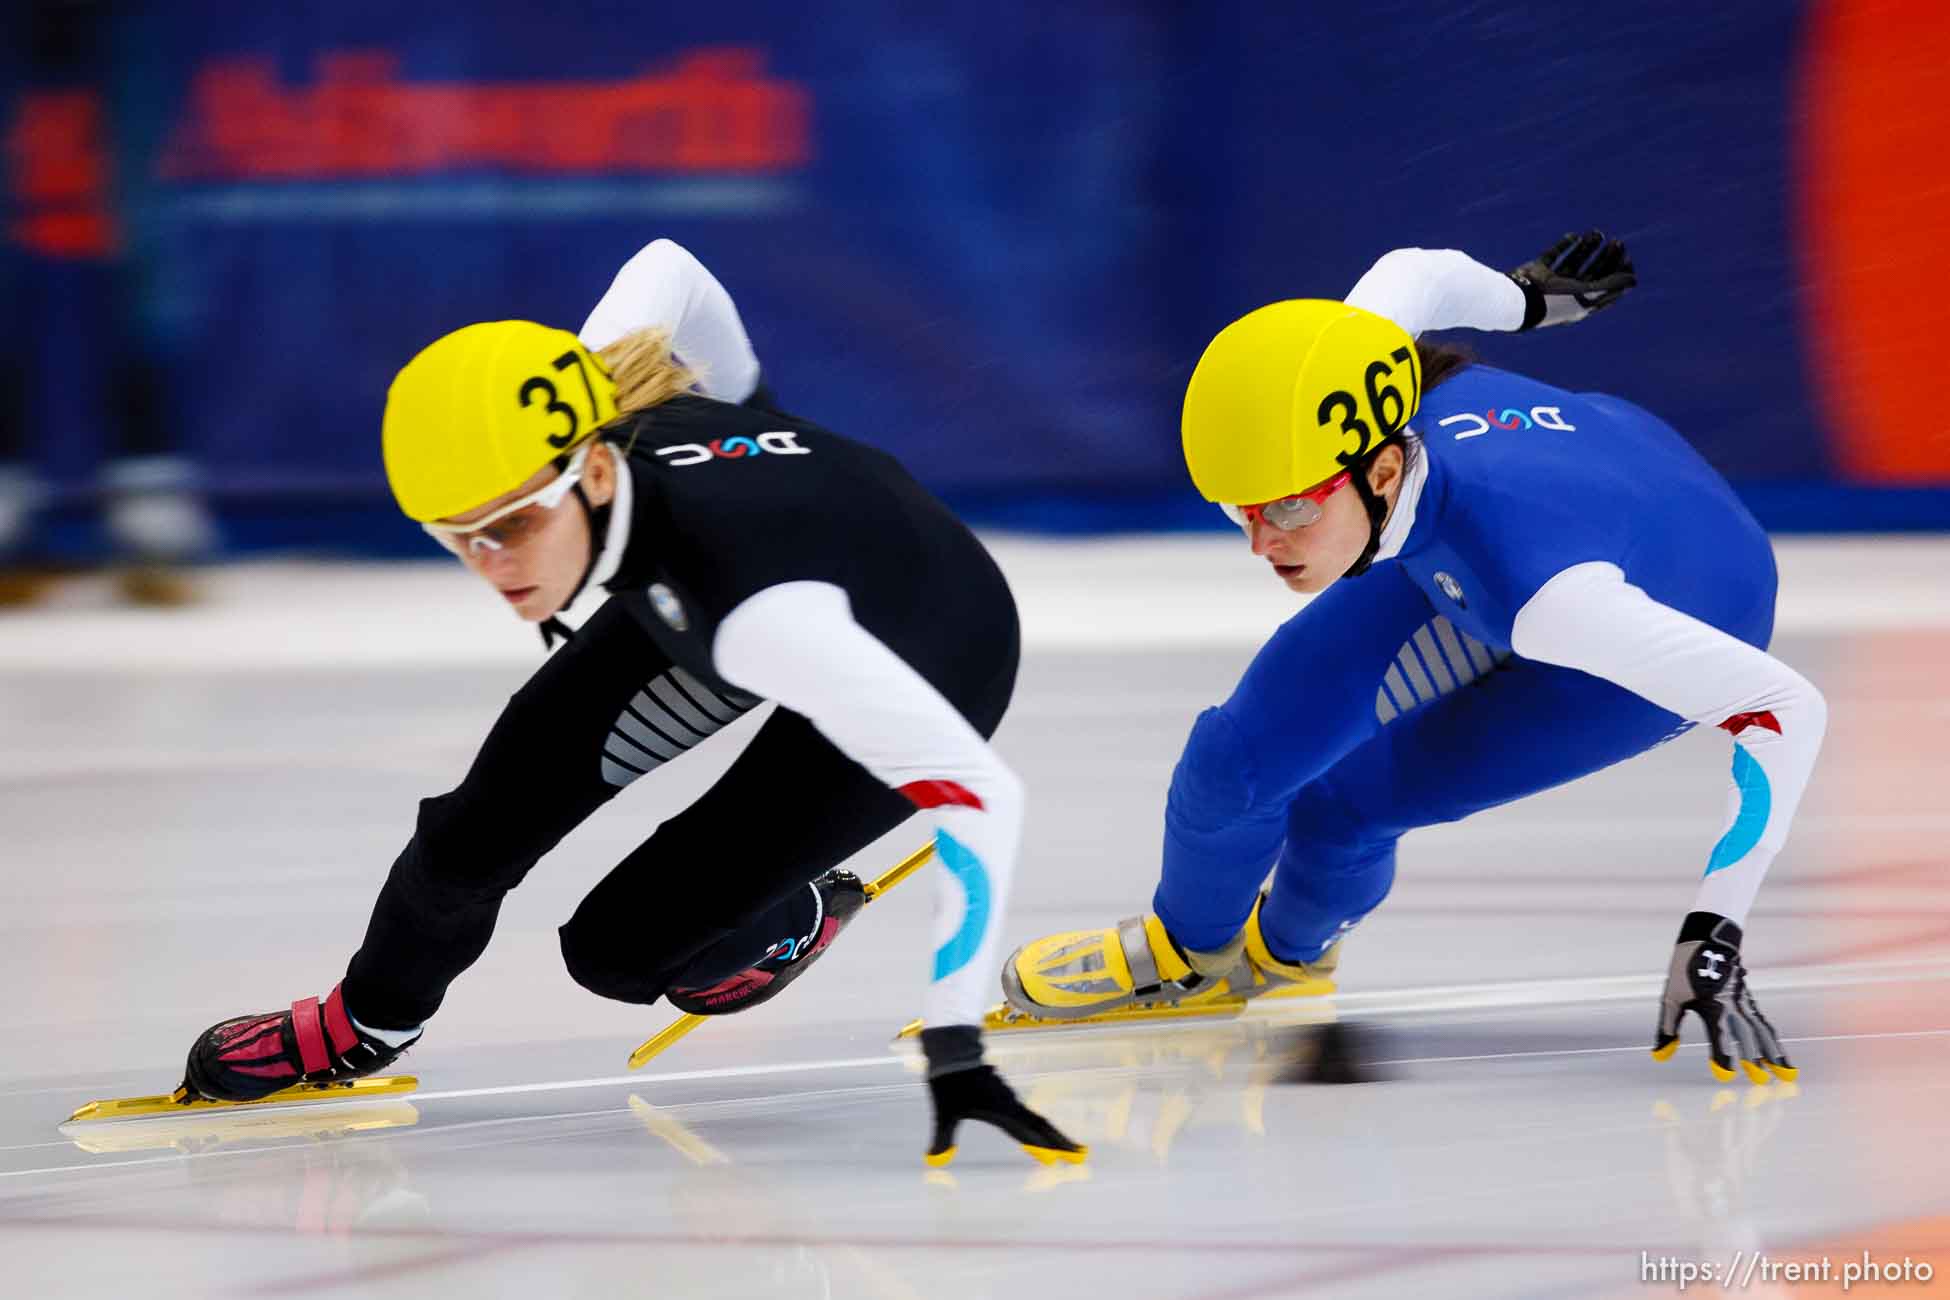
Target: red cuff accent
x,y
338,1023
1739,722
310,1035
936,794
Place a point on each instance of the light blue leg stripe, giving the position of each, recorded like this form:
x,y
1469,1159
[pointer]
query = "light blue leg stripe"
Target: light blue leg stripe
x,y
1756,803
974,877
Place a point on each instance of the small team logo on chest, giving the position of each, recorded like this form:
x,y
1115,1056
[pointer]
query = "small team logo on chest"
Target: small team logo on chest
x,y
668,607
1450,588
779,442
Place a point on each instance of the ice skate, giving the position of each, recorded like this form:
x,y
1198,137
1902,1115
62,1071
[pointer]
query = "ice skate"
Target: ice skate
x,y
840,895
310,1053
251,1057
1135,971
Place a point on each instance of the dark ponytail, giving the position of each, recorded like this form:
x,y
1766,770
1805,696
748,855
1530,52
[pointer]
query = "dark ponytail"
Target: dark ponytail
x,y
1441,361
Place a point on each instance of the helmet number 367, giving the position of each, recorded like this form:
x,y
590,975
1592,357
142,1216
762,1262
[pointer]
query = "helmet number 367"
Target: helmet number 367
x,y
544,387
1385,404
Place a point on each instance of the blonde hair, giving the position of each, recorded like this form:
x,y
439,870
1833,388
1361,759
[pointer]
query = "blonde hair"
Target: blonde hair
x,y
645,372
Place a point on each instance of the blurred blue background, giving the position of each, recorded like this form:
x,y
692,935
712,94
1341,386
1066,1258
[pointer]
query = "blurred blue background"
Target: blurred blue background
x,y
993,242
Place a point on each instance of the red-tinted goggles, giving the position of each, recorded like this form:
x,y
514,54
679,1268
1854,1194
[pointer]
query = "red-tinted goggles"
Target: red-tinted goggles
x,y
1288,513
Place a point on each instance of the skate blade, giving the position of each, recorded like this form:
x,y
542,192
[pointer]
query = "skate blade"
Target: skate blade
x,y
191,1134
900,871
1004,1018
180,1102
663,1038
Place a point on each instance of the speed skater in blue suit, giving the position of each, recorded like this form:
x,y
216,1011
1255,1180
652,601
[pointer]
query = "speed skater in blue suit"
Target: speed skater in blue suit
x,y
1512,585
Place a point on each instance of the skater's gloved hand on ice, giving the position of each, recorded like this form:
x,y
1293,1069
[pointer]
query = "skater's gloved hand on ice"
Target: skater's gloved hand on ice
x,y
1574,277
1707,979
964,1088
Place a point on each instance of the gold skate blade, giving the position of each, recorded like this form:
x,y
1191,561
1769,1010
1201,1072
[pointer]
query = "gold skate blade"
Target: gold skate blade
x,y
900,871
663,1038
1318,987
179,1102
198,1133
1003,1018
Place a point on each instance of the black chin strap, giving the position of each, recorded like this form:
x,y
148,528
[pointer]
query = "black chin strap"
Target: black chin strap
x,y
552,628
1377,512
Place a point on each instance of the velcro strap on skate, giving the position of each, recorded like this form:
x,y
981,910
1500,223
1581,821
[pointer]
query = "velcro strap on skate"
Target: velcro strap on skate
x,y
1166,958
1137,953
338,1023
310,1033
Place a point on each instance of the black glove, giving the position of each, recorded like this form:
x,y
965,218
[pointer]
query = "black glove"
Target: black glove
x,y
965,1088
1574,277
1707,979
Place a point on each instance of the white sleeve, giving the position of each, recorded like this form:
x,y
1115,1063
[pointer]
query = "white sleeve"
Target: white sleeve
x,y
797,643
664,285
1423,289
1588,617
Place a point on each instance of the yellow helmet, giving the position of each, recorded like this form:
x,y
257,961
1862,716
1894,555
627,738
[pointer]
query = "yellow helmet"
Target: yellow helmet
x,y
1289,395
480,410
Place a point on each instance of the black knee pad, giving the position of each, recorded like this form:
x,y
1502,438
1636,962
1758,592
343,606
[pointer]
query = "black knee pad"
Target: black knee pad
x,y
624,967
597,967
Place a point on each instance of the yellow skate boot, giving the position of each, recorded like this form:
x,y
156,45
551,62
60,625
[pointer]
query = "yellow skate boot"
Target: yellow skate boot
x,y
1136,969
1275,978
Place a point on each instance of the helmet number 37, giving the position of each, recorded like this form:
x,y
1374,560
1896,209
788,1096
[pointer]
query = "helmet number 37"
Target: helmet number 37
x,y
1385,403
542,387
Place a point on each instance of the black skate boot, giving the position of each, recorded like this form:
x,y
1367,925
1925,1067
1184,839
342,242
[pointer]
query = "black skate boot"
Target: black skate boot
x,y
840,895
253,1056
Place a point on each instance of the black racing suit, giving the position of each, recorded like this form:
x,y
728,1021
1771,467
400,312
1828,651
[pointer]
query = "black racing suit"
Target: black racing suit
x,y
727,502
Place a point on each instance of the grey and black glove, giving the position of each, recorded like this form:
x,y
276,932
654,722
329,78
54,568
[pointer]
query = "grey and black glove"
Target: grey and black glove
x,y
963,1087
1707,979
1574,277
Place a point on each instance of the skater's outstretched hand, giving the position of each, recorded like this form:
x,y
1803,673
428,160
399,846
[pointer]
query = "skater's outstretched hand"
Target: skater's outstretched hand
x,y
1574,277
1707,979
964,1088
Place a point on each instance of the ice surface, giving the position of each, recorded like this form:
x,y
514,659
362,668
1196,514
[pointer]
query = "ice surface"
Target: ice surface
x,y
203,837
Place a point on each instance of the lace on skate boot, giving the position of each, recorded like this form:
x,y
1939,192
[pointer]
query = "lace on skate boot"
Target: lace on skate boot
x,y
253,1056
840,896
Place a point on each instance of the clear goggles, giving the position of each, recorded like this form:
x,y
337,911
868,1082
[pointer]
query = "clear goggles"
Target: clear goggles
x,y
521,520
1300,510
